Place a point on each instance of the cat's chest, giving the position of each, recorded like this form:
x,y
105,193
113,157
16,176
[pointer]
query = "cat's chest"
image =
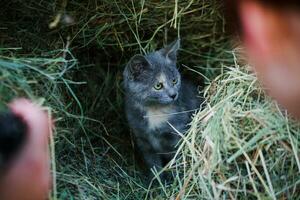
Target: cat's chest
x,y
157,117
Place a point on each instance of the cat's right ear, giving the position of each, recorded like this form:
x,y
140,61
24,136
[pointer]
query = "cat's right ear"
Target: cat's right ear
x,y
137,65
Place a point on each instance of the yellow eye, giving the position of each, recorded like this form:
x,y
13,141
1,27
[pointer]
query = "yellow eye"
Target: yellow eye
x,y
158,86
174,81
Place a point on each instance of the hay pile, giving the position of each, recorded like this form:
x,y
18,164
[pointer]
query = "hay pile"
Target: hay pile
x,y
242,146
69,56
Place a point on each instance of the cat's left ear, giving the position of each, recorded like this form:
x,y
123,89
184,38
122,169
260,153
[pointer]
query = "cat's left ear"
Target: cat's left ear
x,y
170,51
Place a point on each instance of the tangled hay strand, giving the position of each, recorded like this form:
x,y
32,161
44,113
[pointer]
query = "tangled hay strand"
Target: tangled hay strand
x,y
36,77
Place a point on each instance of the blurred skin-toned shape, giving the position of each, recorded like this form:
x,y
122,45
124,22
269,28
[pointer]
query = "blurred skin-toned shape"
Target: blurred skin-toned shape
x,y
272,39
270,31
28,176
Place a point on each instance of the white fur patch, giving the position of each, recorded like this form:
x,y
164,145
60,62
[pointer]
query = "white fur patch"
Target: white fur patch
x,y
156,116
162,78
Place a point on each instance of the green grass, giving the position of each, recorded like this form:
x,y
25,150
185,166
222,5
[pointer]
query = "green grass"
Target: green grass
x,y
241,146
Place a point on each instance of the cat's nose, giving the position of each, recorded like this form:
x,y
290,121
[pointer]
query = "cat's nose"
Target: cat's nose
x,y
173,96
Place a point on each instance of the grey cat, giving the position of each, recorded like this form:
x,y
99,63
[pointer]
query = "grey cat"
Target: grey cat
x,y
156,100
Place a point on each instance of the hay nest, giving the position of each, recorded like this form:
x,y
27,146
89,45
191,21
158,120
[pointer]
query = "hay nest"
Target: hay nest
x,y
69,57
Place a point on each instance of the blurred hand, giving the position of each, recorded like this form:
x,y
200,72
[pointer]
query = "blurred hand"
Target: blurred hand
x,y
28,176
272,40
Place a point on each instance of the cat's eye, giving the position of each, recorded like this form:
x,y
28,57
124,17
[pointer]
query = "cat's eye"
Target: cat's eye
x,y
174,81
158,86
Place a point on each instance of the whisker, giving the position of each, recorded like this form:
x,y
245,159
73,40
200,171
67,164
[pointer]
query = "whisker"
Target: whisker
x,y
175,113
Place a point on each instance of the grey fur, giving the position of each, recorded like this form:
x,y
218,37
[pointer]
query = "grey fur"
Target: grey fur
x,y
149,111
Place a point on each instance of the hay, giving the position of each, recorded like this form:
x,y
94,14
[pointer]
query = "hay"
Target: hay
x,y
69,56
241,146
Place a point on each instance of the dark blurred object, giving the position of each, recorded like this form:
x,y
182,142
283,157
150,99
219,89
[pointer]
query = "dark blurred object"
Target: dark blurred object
x,y
12,136
24,132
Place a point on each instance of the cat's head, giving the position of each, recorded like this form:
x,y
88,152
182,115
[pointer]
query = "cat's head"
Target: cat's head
x,y
154,78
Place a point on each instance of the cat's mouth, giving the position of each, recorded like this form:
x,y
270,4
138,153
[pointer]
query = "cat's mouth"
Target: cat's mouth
x,y
168,100
162,102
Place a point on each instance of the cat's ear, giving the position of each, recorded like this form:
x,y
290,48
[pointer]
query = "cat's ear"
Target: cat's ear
x,y
137,65
170,51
